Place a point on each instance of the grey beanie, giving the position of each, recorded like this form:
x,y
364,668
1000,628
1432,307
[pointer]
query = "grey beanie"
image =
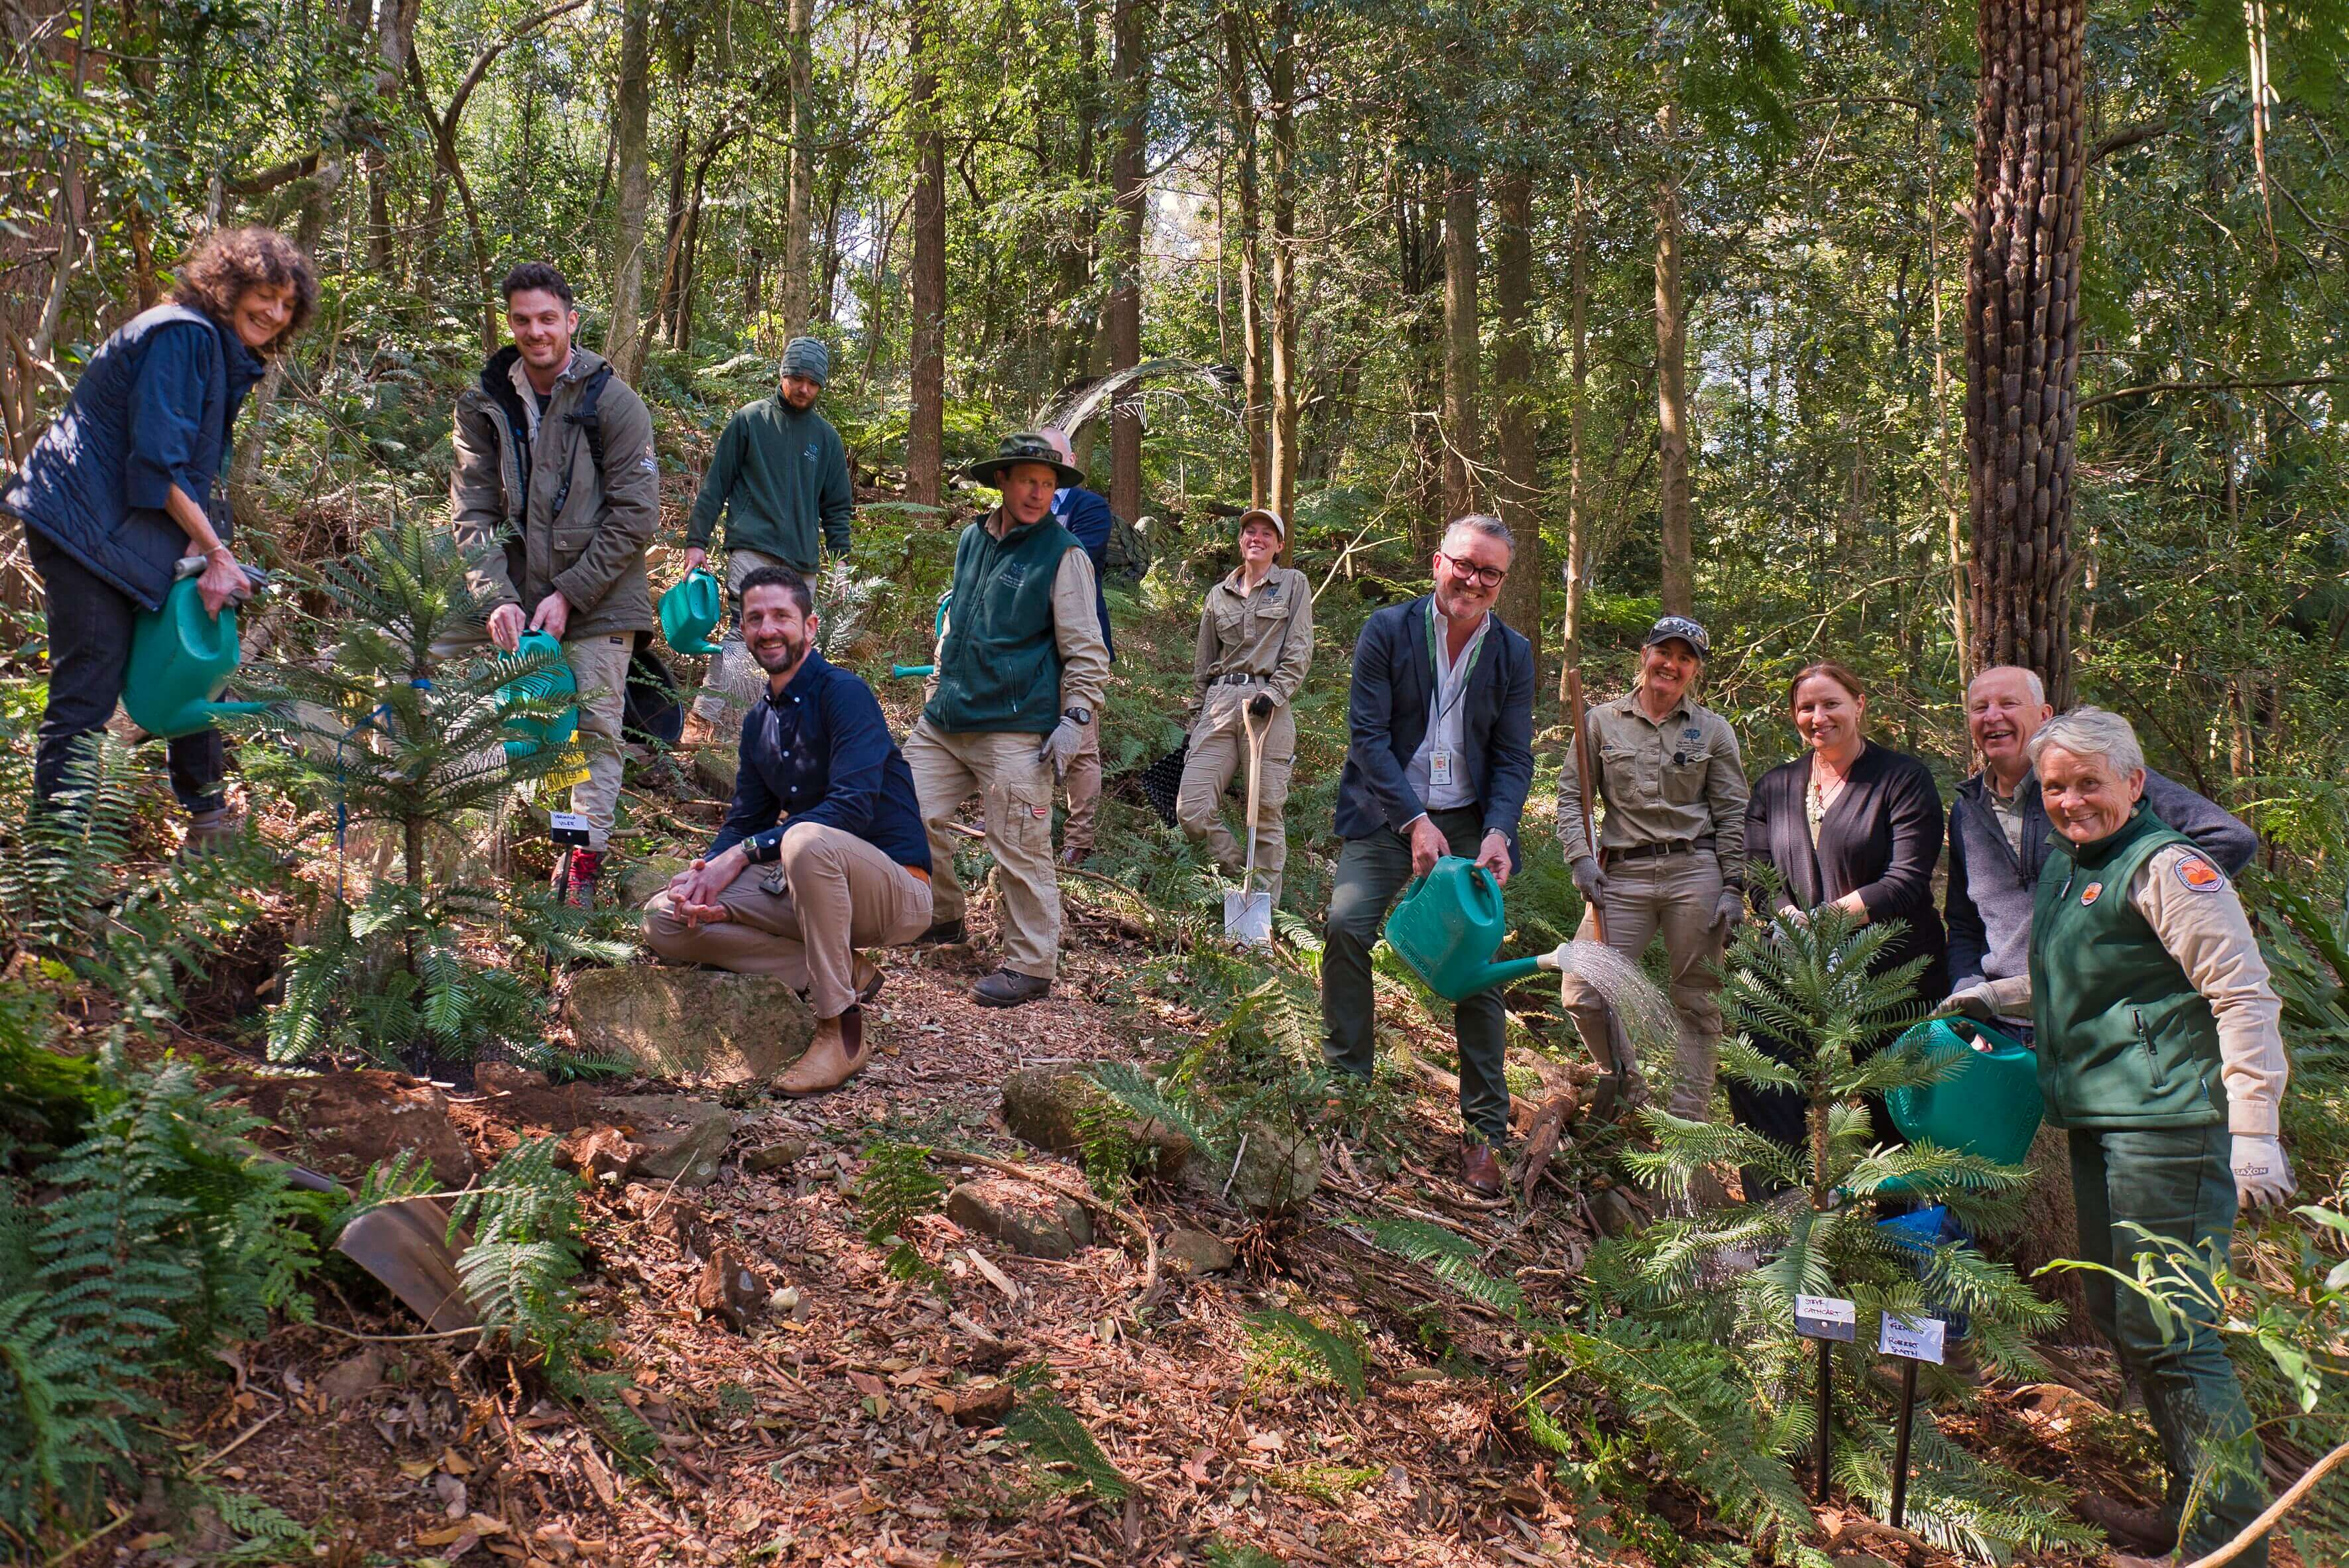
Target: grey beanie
x,y
807,356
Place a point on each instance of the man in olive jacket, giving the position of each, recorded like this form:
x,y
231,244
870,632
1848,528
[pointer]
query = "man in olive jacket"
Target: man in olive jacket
x,y
1020,669
555,495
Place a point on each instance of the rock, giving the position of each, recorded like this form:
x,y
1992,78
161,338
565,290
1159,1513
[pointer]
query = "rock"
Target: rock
x,y
1024,1218
1279,1168
774,1156
1422,1375
730,1289
341,1123
2063,1408
714,768
984,1406
695,1025
641,879
347,1381
563,1110
1042,1107
506,1078
603,1154
1197,1253
680,1139
675,1221
1613,1211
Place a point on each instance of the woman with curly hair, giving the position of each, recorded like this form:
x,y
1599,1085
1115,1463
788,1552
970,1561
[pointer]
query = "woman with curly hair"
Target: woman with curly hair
x,y
127,482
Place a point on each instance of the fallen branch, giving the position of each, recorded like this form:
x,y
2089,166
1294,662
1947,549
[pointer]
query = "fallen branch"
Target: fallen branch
x,y
1149,1242
2275,1511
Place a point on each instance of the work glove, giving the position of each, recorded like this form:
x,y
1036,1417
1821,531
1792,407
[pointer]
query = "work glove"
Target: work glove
x,y
1589,880
1066,739
2262,1174
1728,913
1260,705
1971,1002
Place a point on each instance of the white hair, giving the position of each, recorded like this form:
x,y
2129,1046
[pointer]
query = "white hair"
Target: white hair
x,y
2097,732
2031,682
1486,523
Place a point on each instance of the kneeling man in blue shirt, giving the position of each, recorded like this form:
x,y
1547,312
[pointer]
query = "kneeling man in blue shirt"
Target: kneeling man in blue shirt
x,y
823,850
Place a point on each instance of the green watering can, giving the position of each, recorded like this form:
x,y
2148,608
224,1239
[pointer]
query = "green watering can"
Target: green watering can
x,y
690,611
1990,1107
181,657
555,680
1449,924
938,630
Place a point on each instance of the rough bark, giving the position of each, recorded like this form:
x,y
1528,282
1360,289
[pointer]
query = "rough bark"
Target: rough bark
x,y
1130,65
927,346
1516,489
2022,333
1239,85
1463,433
1419,244
1577,520
799,203
624,343
1285,377
1671,391
394,41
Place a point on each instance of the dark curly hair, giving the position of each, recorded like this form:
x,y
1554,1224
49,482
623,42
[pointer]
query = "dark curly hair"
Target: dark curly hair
x,y
536,275
225,263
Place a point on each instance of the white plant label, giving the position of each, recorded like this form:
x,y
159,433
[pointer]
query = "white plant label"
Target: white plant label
x,y
1916,1341
1826,1317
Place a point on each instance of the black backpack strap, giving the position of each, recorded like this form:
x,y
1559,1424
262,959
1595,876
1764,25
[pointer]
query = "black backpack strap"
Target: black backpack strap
x,y
589,418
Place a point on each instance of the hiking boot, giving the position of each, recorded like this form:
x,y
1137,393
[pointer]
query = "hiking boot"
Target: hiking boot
x,y
698,731
586,865
210,832
1010,988
837,1054
944,934
2135,1529
867,977
1076,855
1479,1171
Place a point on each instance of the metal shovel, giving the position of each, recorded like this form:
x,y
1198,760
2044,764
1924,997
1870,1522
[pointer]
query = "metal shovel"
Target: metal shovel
x,y
405,1245
1247,909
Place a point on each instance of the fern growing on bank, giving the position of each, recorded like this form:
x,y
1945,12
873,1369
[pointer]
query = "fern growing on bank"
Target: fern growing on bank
x,y
897,1184
1057,1445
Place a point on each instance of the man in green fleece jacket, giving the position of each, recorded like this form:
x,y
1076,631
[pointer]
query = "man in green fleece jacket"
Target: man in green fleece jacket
x,y
780,474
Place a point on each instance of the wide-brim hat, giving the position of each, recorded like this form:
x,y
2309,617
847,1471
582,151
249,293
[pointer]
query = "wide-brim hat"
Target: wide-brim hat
x,y
1027,447
1262,514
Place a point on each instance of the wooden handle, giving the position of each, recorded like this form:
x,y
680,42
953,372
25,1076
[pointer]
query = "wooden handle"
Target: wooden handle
x,y
1582,777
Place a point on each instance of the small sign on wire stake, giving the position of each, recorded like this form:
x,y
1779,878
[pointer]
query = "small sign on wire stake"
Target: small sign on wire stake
x,y
1831,1320
1912,1339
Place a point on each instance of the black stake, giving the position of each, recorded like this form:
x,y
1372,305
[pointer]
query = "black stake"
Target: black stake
x,y
1827,1414
1900,1442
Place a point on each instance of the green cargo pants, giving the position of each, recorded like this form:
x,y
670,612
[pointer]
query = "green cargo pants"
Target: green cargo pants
x,y
2176,1183
1370,872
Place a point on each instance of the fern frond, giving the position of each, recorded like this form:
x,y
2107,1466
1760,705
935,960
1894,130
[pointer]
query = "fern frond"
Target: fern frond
x,y
1451,1258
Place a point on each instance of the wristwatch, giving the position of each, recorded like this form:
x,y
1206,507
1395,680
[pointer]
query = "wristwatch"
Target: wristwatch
x,y
1077,715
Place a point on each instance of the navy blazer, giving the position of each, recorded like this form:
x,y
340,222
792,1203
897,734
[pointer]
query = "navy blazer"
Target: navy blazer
x,y
1386,717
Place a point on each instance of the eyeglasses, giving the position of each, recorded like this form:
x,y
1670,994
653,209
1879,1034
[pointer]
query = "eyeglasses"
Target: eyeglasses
x,y
1482,577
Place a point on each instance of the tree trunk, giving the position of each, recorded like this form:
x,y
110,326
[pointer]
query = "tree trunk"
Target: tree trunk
x,y
927,344
1463,442
1418,244
1577,520
1129,23
1283,483
2022,333
1240,85
624,343
1518,490
799,201
1672,389
673,235
395,34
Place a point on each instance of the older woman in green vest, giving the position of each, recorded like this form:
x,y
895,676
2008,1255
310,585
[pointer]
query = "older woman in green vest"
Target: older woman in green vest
x,y
2160,1057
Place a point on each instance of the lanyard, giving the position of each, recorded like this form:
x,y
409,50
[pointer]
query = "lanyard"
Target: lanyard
x,y
1435,664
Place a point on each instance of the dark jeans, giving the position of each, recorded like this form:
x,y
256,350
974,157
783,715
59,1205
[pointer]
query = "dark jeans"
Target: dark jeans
x,y
1371,873
2177,1184
89,652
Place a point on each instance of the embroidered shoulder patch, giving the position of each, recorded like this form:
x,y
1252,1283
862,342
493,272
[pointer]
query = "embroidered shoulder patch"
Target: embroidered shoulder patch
x,y
2199,875
2091,893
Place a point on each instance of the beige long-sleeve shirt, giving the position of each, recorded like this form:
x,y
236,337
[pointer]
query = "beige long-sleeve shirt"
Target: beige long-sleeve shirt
x,y
1266,633
1665,780
2201,924
1076,633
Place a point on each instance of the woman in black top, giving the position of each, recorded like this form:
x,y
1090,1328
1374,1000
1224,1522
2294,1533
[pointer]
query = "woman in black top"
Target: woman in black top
x,y
1854,825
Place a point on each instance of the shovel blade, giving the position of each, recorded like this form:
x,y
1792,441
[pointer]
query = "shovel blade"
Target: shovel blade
x,y
406,1246
1247,916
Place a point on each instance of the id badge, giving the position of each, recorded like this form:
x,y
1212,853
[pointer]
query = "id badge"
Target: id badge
x,y
1439,768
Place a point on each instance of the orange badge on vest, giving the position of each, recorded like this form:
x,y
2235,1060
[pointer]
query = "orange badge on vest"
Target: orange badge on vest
x,y
2199,875
2090,894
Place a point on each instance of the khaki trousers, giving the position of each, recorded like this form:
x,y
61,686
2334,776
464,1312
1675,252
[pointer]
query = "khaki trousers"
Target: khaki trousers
x,y
1014,785
599,663
803,918
1674,895
733,677
1219,752
1082,780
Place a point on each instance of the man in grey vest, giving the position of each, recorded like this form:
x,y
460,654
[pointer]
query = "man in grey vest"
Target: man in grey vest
x,y
1999,843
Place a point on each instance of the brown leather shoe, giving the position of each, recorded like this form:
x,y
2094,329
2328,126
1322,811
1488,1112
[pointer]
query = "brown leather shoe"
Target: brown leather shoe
x,y
867,977
2127,1525
837,1054
1479,1171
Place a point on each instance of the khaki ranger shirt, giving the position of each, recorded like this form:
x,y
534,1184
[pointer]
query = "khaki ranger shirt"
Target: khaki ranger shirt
x,y
1667,783
1267,634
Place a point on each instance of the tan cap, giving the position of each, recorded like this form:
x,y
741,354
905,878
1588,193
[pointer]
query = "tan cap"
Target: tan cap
x,y
1263,514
